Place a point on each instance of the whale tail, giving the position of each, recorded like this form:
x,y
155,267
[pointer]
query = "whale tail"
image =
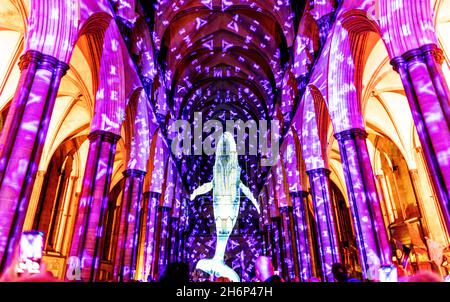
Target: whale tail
x,y
217,268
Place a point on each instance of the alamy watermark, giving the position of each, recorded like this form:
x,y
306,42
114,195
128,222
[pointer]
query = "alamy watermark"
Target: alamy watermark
x,y
261,137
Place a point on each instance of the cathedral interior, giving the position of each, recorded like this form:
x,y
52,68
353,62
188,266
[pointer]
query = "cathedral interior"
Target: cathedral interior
x,y
351,96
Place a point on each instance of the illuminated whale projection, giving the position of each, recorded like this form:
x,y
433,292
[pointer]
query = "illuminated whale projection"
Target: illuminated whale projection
x,y
226,186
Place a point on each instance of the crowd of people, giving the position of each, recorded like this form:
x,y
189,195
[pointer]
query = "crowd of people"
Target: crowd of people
x,y
178,273
265,272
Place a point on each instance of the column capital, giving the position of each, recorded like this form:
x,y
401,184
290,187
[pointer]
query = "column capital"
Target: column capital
x,y
43,61
31,56
106,135
134,173
398,63
322,171
418,54
48,63
351,134
413,55
63,67
325,21
435,51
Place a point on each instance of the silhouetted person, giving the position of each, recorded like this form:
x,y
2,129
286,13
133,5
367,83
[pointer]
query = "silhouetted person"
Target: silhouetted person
x,y
340,273
176,273
264,270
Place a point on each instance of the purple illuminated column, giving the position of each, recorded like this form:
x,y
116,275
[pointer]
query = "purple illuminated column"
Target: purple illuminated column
x,y
127,246
364,203
162,241
22,141
429,100
302,236
174,237
90,223
144,231
150,244
289,243
267,248
319,180
276,244
264,224
183,232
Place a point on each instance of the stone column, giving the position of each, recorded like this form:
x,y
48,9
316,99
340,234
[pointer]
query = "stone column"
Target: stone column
x,y
127,247
319,180
22,141
302,236
150,244
428,96
276,244
365,206
93,204
289,243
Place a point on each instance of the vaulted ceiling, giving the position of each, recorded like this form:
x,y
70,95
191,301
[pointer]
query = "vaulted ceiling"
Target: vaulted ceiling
x,y
225,59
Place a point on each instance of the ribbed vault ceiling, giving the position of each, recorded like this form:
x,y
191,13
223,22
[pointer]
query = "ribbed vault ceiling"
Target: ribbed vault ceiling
x,y
225,59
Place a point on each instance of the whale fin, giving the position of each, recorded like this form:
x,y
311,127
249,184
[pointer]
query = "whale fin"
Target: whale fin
x,y
218,269
249,195
205,188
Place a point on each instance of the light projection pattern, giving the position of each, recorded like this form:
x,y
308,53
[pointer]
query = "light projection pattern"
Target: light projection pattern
x,y
22,142
46,34
301,230
291,158
366,212
325,220
93,205
400,38
427,93
226,186
140,144
110,100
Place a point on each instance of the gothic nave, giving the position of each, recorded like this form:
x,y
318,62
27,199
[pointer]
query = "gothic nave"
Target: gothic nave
x,y
339,114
